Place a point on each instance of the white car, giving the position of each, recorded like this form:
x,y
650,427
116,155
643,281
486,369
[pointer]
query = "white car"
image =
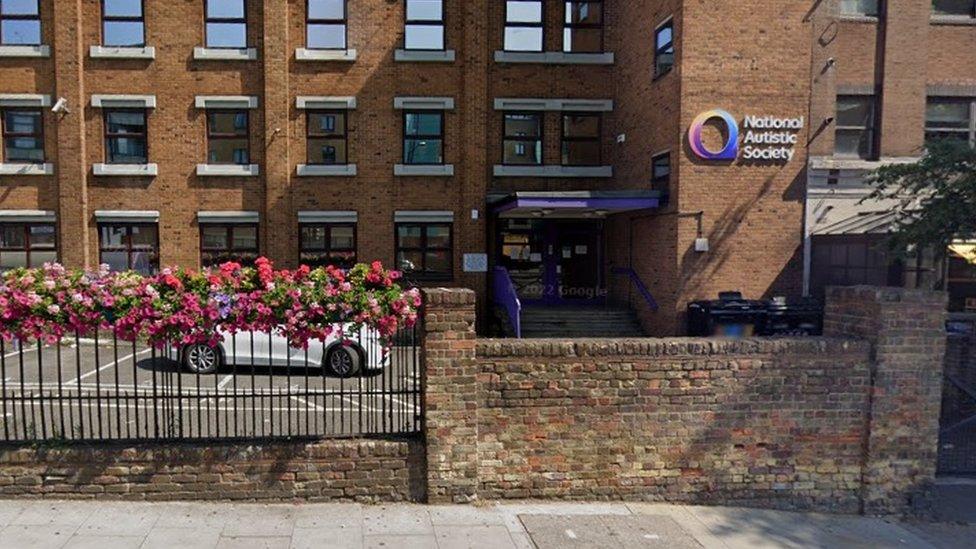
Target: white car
x,y
343,357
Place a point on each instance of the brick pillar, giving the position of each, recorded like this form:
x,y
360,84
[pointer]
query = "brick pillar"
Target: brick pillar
x,y
70,160
450,395
278,224
907,331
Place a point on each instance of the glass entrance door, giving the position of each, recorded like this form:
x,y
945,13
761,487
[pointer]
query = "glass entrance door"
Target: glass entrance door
x,y
553,261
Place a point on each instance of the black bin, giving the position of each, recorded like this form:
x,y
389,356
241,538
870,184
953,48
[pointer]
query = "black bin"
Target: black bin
x,y
729,316
796,318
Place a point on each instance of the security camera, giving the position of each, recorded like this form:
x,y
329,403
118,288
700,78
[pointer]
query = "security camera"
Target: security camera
x,y
61,106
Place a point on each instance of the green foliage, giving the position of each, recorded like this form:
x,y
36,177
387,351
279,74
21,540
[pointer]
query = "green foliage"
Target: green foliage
x,y
936,197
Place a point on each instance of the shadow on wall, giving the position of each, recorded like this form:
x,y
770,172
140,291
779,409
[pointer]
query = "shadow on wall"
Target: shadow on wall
x,y
700,269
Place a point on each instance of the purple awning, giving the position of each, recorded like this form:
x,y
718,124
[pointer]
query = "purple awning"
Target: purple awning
x,y
575,204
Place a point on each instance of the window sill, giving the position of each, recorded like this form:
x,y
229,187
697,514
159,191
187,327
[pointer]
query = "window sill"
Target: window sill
x,y
424,56
110,52
961,20
12,168
304,54
554,58
410,170
25,51
136,170
228,170
338,170
225,54
501,170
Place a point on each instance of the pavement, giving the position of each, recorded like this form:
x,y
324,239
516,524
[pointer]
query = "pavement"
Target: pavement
x,y
62,524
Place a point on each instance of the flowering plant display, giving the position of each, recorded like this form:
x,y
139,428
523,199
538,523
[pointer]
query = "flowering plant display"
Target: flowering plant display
x,y
180,306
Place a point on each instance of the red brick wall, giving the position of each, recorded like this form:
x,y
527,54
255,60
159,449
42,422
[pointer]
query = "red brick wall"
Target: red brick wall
x,y
363,471
674,420
843,423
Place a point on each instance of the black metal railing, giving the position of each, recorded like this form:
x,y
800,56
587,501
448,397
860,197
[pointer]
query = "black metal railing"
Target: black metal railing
x,y
105,389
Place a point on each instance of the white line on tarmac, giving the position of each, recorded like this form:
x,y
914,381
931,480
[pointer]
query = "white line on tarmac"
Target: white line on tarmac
x,y
109,365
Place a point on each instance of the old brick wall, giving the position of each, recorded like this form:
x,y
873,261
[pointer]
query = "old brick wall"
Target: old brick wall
x,y
907,331
353,470
765,423
846,423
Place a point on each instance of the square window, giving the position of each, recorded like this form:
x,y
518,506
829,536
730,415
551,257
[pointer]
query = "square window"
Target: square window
x,y
424,25
423,141
227,137
326,138
523,139
23,135
125,137
123,23
326,25
583,27
328,244
524,27
424,251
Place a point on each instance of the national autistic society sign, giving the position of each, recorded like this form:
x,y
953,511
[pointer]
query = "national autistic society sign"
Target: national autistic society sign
x,y
760,139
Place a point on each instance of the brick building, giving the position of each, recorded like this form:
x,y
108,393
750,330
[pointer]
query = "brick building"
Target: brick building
x,y
570,143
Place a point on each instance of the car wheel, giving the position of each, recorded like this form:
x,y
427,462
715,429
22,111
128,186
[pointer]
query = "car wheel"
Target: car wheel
x,y
201,359
344,361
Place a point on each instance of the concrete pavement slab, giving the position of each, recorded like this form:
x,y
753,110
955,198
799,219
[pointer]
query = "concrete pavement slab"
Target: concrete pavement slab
x,y
574,532
279,542
183,538
465,515
383,520
105,542
473,537
36,537
944,535
260,521
339,516
649,531
416,541
120,520
330,538
53,512
9,510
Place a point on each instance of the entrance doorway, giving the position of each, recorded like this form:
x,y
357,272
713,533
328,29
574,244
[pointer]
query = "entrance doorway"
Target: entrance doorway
x,y
554,261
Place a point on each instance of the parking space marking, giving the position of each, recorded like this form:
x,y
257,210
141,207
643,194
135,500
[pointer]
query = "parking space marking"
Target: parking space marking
x,y
107,366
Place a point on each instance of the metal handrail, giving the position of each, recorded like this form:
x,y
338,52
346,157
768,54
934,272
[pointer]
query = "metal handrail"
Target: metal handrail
x,y
638,283
506,296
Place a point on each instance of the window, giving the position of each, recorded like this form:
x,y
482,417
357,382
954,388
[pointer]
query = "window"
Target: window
x,y
523,25
855,126
23,135
423,137
227,137
965,8
129,246
950,118
325,244
20,23
850,260
226,24
123,23
425,250
523,138
125,137
27,245
581,140
664,48
583,28
859,7
222,243
661,172
327,138
326,25
424,25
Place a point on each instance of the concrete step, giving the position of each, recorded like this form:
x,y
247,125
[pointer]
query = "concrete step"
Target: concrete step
x,y
577,322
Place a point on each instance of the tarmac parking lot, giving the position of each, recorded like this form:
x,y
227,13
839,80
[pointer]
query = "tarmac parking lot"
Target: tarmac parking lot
x,y
120,390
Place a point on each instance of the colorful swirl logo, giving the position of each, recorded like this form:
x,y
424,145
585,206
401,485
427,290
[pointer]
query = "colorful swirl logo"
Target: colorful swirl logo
x,y
731,149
